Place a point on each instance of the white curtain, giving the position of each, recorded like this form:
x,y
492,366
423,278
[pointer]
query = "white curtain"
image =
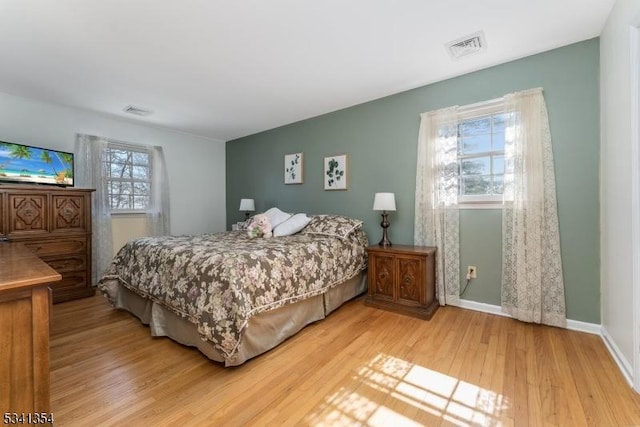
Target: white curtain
x,y
158,223
436,210
532,284
90,172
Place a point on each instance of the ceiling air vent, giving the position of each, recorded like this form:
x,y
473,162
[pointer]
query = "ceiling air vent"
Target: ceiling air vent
x,y
467,45
131,109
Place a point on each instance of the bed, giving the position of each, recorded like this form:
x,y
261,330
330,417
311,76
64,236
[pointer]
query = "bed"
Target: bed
x,y
235,297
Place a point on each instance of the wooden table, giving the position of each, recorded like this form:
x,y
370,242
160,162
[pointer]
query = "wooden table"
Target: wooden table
x,y
20,268
25,302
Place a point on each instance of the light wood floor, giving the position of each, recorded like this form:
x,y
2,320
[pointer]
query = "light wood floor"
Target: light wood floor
x,y
360,366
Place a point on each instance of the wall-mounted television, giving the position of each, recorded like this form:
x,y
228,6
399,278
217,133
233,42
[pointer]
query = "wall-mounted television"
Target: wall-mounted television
x,y
21,163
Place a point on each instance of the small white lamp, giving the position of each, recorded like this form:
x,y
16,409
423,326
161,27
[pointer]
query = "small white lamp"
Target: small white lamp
x,y
384,202
247,205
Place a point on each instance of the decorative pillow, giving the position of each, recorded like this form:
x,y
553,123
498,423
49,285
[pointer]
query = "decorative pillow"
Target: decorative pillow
x,y
332,225
276,216
291,226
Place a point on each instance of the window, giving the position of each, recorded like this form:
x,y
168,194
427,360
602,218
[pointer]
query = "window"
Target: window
x,y
129,178
481,141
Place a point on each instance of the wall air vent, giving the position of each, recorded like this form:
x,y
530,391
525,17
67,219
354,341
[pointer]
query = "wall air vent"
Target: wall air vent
x,y
468,45
131,109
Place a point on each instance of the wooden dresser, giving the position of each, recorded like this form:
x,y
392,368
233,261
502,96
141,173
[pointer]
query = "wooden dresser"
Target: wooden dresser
x,y
25,302
55,224
402,279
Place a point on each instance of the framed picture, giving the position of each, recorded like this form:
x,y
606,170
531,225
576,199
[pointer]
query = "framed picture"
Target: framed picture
x,y
293,168
336,175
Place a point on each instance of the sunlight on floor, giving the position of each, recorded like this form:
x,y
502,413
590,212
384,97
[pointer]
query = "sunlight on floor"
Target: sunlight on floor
x,y
392,391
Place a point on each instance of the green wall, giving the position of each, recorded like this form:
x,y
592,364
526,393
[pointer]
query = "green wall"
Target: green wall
x,y
381,139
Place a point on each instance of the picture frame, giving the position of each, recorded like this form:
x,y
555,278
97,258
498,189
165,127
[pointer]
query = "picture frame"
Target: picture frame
x,y
294,168
336,172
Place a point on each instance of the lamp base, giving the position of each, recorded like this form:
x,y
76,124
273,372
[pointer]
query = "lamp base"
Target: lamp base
x,y
384,243
384,224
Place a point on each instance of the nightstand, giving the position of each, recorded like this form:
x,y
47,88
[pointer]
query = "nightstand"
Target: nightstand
x,y
402,279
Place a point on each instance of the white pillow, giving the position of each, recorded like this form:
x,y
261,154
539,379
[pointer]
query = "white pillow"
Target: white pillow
x,y
276,217
292,225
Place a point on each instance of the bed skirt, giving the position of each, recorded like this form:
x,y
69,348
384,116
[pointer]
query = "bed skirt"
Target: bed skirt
x,y
263,332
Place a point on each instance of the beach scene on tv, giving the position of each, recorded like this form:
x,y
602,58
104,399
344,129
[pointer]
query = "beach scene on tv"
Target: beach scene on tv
x,y
22,163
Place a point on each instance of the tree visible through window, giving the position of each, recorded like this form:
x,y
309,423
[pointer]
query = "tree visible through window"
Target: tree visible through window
x,y
128,178
481,157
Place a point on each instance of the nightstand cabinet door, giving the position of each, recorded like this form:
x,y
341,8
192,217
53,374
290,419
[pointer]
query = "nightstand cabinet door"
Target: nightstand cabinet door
x,y
402,279
382,274
410,281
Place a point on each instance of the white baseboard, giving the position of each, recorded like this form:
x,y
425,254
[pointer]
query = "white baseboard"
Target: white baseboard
x,y
574,325
590,328
621,361
480,306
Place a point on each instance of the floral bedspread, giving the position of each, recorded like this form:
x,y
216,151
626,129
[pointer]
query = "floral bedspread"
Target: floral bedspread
x,y
218,281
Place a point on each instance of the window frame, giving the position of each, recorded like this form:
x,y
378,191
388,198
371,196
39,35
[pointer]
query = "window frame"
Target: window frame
x,y
469,113
131,148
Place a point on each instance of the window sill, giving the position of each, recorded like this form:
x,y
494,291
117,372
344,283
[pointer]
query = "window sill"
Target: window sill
x,y
481,205
129,213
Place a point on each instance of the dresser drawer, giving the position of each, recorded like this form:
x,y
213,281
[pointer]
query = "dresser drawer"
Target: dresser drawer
x,y
74,284
70,280
75,262
47,248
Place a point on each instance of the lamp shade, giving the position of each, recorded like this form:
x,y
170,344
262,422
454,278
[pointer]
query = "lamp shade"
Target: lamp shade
x,y
384,202
247,205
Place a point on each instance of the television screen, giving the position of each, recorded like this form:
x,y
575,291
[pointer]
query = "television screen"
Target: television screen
x,y
34,165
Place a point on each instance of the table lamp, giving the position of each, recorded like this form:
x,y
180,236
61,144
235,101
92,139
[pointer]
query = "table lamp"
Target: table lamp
x,y
247,205
384,202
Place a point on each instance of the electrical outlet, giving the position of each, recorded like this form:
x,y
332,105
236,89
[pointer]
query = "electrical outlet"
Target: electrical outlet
x,y
472,271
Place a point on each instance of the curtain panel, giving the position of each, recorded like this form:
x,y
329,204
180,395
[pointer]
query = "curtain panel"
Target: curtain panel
x,y
158,220
532,282
91,173
436,211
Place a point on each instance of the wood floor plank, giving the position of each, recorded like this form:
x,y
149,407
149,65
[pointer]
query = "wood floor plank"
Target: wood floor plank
x,y
360,366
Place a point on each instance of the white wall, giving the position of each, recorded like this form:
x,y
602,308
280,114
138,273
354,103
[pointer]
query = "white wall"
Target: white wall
x,y
125,228
616,185
196,165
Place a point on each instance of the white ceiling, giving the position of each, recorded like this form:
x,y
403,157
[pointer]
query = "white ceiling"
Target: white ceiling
x,y
226,69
